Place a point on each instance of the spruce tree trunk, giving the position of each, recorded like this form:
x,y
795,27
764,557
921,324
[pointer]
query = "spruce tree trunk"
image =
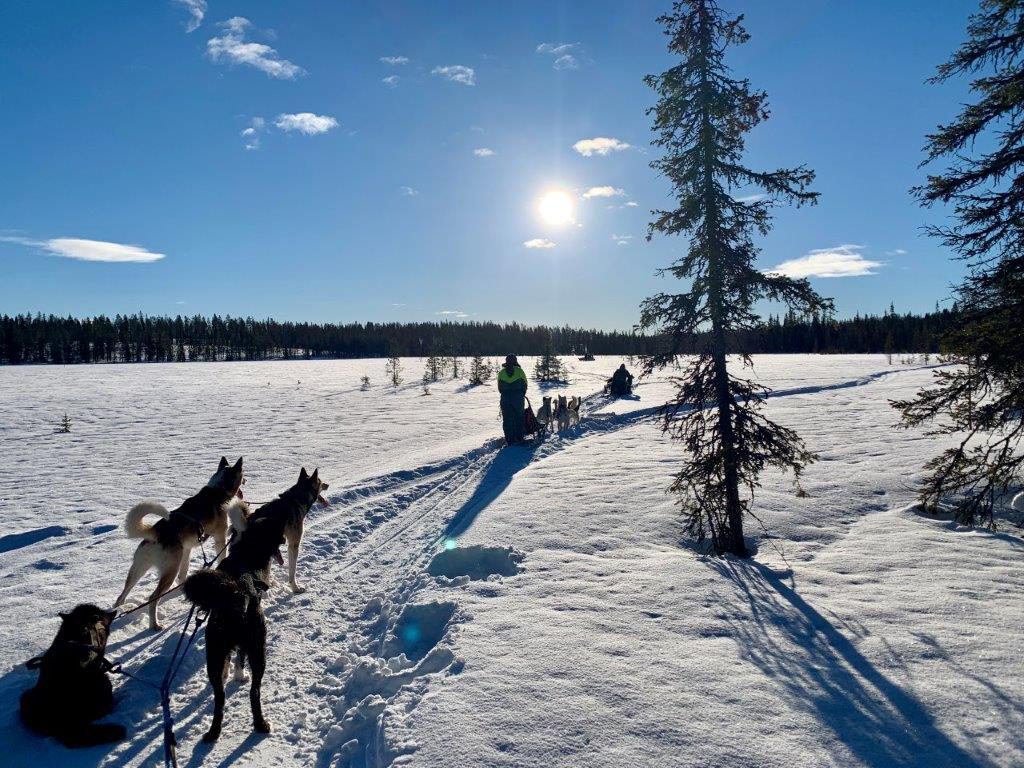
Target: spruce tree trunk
x,y
734,512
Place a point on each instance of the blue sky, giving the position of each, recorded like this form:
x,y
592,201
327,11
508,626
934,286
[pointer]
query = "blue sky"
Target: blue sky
x,y
266,158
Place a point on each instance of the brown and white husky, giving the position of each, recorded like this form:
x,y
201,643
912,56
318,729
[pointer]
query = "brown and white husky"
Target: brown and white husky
x,y
168,543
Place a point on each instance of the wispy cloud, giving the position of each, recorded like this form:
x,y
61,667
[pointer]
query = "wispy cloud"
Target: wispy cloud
x,y
197,12
599,145
233,48
632,204
539,242
456,73
305,122
840,261
483,152
458,313
557,49
755,198
408,191
565,54
896,252
391,81
394,61
89,250
605,191
251,134
622,239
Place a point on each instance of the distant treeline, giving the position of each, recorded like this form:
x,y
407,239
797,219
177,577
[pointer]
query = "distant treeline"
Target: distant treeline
x,y
140,339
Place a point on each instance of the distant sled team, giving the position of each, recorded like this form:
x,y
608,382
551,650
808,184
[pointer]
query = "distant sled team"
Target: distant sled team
x,y
73,689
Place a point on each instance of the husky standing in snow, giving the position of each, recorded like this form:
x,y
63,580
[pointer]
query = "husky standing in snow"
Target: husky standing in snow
x,y
292,506
544,415
233,593
167,544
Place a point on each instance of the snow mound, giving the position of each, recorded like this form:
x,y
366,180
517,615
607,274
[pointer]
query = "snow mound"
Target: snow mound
x,y
477,562
418,629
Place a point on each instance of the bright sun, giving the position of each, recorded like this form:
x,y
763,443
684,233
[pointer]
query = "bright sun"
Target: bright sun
x,y
555,208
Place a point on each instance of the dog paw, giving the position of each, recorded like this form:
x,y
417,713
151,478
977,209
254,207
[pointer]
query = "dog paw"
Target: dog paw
x,y
298,589
211,735
261,726
240,676
156,627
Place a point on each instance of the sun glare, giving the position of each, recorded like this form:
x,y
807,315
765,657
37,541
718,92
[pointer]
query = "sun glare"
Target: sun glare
x,y
555,208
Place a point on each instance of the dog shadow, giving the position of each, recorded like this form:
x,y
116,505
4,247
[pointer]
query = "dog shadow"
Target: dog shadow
x,y
822,674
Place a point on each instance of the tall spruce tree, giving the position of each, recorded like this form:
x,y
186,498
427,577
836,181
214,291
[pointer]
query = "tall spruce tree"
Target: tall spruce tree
x,y
981,401
700,119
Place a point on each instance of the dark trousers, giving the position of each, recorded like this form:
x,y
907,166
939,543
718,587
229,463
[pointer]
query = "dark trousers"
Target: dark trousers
x,y
513,418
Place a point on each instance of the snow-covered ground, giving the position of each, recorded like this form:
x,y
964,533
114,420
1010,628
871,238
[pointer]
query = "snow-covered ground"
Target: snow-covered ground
x,y
476,606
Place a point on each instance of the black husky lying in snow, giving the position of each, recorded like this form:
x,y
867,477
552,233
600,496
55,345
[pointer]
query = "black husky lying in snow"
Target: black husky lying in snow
x,y
73,689
233,592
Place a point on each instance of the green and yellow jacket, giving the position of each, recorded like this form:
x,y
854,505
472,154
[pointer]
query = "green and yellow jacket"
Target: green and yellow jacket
x,y
513,384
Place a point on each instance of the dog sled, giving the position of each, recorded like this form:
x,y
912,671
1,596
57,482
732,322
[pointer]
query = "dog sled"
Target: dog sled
x,y
532,426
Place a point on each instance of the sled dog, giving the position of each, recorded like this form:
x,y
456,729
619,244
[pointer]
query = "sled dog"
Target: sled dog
x,y
292,506
73,689
167,543
573,409
233,593
544,415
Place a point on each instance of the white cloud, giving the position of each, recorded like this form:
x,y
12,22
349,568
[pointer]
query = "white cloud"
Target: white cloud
x,y
563,53
408,191
605,191
458,313
251,134
483,152
756,198
557,49
896,252
233,48
456,73
539,242
632,204
622,239
394,61
197,12
89,250
305,122
840,261
599,146
391,80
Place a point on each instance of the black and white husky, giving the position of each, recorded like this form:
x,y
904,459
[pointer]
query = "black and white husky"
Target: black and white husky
x,y
168,543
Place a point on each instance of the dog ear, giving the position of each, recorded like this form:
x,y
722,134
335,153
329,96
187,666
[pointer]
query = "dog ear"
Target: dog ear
x,y
316,475
223,463
303,475
238,464
63,616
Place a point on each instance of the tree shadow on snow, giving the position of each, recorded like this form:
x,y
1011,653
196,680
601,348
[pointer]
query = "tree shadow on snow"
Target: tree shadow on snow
x,y
882,724
506,463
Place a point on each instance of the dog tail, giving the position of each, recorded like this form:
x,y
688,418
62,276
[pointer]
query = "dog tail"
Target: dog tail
x,y
211,590
238,514
134,526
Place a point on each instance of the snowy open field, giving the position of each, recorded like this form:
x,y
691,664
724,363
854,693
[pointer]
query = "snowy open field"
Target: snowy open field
x,y
861,633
